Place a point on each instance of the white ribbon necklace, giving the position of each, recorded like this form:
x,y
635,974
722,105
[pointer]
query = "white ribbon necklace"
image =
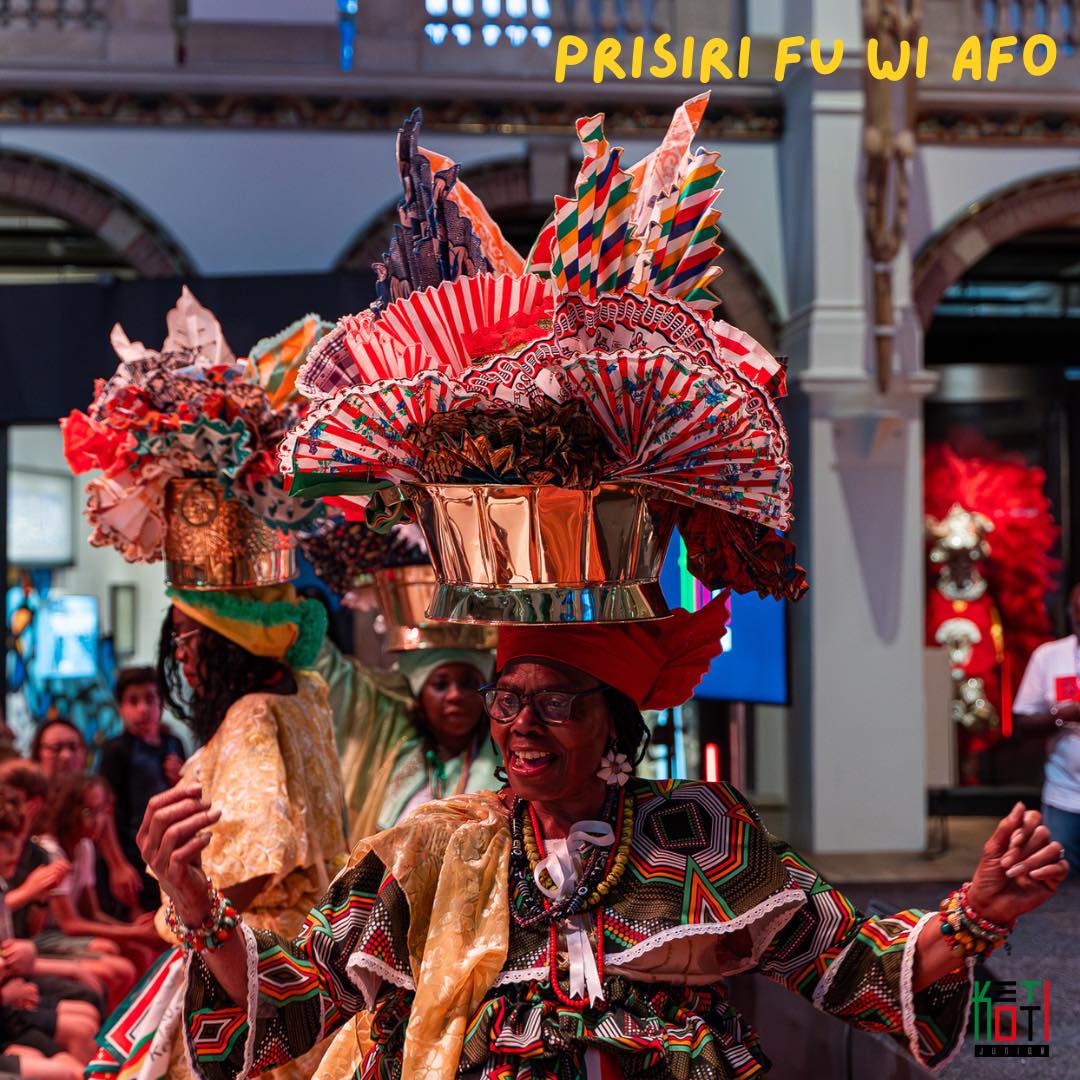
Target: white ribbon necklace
x,y
562,865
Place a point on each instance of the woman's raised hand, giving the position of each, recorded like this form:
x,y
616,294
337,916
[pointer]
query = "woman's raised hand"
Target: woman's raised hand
x,y
1021,867
171,839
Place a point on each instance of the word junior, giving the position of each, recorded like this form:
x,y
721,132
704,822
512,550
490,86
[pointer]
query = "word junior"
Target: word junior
x,y
717,60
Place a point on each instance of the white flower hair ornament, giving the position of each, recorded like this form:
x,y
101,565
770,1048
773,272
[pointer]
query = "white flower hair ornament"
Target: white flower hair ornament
x,y
615,768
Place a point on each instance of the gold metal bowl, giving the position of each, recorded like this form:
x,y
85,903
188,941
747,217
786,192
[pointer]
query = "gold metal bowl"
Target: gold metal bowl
x,y
544,554
405,593
215,543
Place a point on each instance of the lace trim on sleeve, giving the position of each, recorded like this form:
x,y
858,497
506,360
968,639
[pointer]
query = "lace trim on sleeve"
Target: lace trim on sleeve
x,y
765,921
826,982
907,997
367,974
251,973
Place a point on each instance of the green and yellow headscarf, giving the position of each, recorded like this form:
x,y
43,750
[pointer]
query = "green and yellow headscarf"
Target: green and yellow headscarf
x,y
267,621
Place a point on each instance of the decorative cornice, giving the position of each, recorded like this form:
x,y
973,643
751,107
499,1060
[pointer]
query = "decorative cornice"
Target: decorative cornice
x,y
1042,127
743,120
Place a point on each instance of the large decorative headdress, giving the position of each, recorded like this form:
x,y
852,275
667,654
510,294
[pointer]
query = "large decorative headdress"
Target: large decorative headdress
x,y
388,569
548,427
186,438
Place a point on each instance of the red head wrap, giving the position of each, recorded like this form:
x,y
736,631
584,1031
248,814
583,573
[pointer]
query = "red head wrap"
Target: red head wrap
x,y
656,664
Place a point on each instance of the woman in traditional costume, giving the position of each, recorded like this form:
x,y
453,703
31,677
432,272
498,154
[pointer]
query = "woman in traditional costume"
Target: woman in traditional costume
x,y
580,922
266,761
416,732
412,735
183,437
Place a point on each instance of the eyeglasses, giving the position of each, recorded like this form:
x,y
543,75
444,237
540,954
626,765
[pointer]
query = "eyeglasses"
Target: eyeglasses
x,y
552,706
60,748
187,635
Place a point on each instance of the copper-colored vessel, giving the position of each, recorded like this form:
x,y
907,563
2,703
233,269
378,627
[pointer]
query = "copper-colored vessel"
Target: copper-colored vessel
x,y
544,554
215,543
405,594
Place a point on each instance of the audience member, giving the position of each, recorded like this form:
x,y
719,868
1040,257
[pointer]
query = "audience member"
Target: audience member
x,y
39,1038
140,763
78,812
60,749
28,887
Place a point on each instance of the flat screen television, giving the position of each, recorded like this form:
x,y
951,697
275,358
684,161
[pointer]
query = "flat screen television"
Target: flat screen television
x,y
40,518
754,664
66,640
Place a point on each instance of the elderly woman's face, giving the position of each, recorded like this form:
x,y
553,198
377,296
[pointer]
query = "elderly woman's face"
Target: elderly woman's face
x,y
552,762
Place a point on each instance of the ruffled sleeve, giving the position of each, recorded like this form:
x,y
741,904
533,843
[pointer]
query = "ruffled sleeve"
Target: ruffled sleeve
x,y
243,775
270,770
352,947
860,969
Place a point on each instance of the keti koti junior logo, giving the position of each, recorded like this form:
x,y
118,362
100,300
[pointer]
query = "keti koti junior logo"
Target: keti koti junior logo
x,y
1011,1019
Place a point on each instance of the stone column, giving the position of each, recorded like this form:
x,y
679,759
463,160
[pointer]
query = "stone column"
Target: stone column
x,y
856,760
141,33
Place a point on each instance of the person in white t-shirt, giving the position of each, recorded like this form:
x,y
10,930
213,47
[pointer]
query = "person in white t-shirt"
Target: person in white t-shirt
x,y
1049,701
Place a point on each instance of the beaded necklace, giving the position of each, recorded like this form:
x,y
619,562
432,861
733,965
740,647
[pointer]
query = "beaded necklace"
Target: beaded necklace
x,y
601,873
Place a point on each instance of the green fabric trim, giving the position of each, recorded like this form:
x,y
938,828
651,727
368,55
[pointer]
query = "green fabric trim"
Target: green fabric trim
x,y
309,616
316,485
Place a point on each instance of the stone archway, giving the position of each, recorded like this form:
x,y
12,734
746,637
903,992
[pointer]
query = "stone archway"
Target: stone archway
x,y
44,184
1036,203
506,189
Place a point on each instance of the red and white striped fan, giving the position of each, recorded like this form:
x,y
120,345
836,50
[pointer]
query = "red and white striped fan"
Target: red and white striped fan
x,y
701,433
366,433
430,330
653,323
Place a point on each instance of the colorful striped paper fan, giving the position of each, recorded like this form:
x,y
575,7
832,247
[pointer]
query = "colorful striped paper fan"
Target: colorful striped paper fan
x,y
434,329
700,433
365,433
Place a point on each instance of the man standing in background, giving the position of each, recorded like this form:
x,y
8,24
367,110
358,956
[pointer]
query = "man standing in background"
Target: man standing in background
x,y
140,763
1048,701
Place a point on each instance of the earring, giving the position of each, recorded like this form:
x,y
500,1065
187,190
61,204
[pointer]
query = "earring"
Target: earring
x,y
615,768
499,770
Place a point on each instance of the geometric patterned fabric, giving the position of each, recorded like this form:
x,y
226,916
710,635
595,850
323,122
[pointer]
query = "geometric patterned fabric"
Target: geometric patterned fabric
x,y
702,867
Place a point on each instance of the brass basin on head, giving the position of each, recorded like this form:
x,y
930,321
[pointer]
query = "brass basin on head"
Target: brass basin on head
x,y
216,543
544,554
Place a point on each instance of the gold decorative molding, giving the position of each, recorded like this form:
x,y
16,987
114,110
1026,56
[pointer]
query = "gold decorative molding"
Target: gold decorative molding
x,y
751,121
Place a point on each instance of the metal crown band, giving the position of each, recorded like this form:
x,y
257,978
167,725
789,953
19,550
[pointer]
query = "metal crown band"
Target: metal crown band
x,y
216,543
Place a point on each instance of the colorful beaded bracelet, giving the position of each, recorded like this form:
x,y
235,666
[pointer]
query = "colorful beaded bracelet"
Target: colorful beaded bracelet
x,y
967,932
215,929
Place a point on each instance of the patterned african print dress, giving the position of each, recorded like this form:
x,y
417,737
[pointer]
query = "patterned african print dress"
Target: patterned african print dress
x,y
272,771
418,936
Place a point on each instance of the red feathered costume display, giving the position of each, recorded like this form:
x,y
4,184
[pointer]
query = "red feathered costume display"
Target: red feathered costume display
x,y
990,536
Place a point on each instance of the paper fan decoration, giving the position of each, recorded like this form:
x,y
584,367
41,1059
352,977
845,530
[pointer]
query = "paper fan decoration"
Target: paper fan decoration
x,y
702,435
366,435
629,321
598,367
442,328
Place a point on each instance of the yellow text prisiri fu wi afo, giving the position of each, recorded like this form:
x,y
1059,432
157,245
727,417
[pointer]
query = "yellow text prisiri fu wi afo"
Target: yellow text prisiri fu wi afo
x,y
716,58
